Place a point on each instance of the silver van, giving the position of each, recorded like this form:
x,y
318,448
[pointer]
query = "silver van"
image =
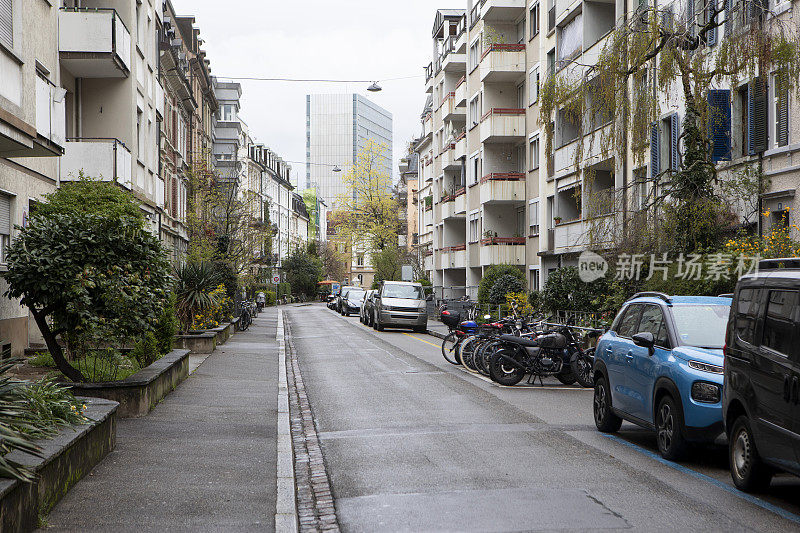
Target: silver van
x,y
400,304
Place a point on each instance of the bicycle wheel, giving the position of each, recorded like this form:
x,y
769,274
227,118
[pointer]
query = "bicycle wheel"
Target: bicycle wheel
x,y
484,356
467,352
450,348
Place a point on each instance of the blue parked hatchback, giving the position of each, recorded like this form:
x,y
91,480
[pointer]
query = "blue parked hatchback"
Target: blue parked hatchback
x,y
661,366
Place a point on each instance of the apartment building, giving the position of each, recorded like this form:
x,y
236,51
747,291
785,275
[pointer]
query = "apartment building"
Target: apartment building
x,y
32,136
491,194
109,51
407,196
298,221
229,142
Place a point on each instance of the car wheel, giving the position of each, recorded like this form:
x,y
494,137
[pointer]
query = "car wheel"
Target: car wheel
x,y
378,325
669,430
374,322
604,418
420,329
748,471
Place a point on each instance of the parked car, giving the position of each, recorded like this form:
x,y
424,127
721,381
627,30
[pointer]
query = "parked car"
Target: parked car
x,y
352,301
341,296
660,367
400,304
761,397
367,307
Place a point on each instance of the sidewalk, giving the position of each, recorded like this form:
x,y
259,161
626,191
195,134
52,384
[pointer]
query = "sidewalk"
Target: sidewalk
x,y
437,329
203,460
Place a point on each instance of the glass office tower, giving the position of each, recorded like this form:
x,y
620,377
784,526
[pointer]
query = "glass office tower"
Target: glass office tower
x,y
337,126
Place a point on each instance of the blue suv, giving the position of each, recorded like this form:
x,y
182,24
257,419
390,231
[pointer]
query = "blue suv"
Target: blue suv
x,y
661,366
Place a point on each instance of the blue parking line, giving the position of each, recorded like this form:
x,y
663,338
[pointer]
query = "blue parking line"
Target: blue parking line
x,y
783,513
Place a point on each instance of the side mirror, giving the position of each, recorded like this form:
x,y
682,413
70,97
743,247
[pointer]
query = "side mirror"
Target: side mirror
x,y
645,340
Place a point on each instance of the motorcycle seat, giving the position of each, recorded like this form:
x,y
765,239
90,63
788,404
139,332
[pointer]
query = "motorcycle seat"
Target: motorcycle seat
x,y
522,341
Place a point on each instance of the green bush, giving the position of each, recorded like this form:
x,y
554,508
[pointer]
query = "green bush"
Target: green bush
x,y
166,326
505,284
106,365
565,291
42,359
427,286
270,298
146,352
491,275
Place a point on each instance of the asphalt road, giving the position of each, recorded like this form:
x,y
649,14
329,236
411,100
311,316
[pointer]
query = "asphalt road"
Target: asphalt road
x,y
413,443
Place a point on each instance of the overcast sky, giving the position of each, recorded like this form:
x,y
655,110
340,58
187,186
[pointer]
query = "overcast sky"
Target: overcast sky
x,y
347,39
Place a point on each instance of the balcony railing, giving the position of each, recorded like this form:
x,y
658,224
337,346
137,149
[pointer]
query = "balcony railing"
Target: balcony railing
x,y
100,158
94,43
503,176
502,125
502,47
491,241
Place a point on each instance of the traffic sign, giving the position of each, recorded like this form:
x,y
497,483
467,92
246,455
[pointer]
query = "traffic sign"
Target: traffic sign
x,y
276,279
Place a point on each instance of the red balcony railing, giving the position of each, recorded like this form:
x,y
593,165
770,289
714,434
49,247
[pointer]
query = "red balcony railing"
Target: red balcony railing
x,y
507,176
461,81
502,111
503,48
459,192
502,240
456,248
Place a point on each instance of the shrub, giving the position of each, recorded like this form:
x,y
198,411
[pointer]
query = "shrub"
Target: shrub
x,y
166,326
107,365
303,271
87,278
491,275
194,283
427,286
146,352
565,291
42,359
504,285
271,298
216,312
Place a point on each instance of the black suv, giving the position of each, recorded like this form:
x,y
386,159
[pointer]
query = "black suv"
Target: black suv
x,y
761,395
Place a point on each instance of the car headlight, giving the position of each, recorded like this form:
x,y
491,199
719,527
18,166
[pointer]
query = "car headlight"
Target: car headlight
x,y
705,392
705,367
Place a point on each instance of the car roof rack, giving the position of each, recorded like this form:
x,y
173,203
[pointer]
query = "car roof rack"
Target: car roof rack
x,y
652,294
788,263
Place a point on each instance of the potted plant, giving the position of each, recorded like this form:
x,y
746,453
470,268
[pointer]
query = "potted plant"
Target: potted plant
x,y
557,220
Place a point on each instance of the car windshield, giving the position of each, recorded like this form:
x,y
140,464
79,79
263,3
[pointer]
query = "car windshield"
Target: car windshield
x,y
355,295
402,291
701,325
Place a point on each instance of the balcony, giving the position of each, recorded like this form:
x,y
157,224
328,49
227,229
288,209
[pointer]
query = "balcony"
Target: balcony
x,y
50,120
578,234
503,251
449,162
106,159
503,63
461,92
503,10
453,59
455,205
427,125
452,111
507,187
429,78
460,150
94,43
454,256
500,125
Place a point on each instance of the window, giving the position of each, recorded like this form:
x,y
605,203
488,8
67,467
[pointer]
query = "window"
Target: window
x,y
781,111
5,351
533,218
652,321
227,113
746,314
629,324
7,23
5,225
778,325
475,110
360,260
475,169
719,124
534,281
475,53
533,154
533,23
533,84
474,227
139,134
570,40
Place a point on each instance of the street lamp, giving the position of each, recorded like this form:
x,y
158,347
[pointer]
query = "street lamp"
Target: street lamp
x,y
374,88
336,168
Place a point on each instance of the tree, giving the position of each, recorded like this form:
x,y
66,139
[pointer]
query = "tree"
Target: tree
x,y
565,291
303,271
658,51
504,285
367,213
310,199
90,197
332,261
491,275
88,279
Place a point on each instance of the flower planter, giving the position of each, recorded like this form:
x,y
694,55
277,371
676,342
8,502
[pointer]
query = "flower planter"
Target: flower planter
x,y
68,457
139,393
197,343
223,332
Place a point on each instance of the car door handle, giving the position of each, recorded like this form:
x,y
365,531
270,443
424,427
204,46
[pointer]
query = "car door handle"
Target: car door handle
x,y
796,390
629,355
609,350
786,389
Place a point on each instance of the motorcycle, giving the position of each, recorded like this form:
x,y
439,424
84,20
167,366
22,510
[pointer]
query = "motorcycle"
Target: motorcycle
x,y
538,356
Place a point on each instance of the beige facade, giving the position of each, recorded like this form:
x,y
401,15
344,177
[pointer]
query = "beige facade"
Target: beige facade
x,y
489,193
31,137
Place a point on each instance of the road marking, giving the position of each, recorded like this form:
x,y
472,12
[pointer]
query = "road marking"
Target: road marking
x,y
783,513
420,340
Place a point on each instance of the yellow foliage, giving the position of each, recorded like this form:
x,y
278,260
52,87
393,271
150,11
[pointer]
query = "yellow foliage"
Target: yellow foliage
x,y
776,242
521,299
212,316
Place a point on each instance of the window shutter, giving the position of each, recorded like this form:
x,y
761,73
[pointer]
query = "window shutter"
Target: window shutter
x,y
719,124
7,23
728,17
5,215
655,155
711,35
673,142
782,112
757,117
